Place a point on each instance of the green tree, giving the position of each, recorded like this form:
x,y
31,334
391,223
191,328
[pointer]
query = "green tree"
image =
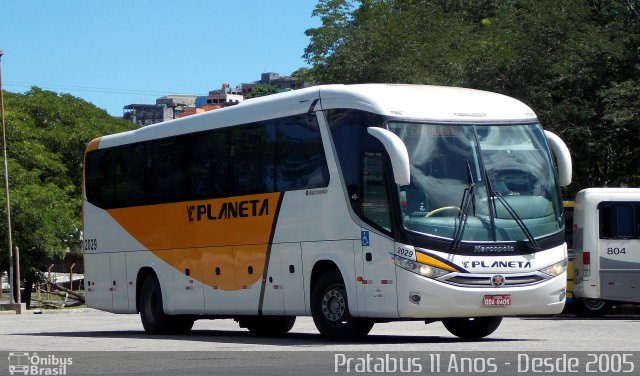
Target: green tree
x,y
260,90
575,62
47,134
303,77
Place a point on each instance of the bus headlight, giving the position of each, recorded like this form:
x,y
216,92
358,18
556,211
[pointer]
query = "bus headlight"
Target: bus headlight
x,y
419,268
556,269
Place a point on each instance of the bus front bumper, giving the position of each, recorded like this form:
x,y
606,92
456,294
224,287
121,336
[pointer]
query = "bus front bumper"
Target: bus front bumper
x,y
421,297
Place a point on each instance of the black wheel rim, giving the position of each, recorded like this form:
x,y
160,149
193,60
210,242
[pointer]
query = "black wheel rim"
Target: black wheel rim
x,y
334,305
593,304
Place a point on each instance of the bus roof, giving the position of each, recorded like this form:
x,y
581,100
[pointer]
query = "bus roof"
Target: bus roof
x,y
608,194
437,103
434,103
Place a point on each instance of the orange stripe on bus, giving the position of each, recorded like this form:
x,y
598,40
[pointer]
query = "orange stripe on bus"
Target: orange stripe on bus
x,y
93,144
432,261
223,242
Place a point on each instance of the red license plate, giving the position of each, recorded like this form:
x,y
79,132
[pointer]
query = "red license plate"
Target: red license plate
x,y
496,300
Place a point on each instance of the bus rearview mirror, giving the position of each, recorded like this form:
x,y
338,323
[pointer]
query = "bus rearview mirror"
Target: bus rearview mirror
x,y
563,158
397,153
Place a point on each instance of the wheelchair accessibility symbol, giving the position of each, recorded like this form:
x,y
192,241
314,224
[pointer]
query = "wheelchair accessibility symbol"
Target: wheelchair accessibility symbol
x,y
365,238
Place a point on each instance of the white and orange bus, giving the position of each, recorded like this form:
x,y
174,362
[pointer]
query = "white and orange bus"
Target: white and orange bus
x,y
353,204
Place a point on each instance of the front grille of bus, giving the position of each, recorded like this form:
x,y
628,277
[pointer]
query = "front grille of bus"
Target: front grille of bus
x,y
485,281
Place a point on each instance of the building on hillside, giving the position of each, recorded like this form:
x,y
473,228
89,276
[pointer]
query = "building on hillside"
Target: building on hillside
x,y
201,101
176,106
178,103
147,114
191,111
276,80
283,83
224,97
166,108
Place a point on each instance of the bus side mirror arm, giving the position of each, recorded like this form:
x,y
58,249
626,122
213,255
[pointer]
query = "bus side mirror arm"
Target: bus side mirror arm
x,y
561,151
397,153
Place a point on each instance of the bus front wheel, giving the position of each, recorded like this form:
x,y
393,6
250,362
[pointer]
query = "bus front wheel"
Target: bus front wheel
x,y
472,327
330,310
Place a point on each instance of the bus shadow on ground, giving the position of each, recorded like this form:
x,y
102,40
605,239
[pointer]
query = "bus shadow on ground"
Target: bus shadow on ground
x,y
571,317
289,339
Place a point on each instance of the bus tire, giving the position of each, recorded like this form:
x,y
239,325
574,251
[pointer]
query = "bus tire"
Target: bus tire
x,y
152,315
330,310
472,327
590,307
268,325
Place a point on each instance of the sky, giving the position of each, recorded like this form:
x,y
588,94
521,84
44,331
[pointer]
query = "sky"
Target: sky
x,y
118,52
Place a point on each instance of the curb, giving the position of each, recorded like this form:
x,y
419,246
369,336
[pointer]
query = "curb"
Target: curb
x,y
51,311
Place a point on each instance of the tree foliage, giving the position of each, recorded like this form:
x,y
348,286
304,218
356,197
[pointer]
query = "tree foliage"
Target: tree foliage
x,y
575,62
260,90
47,134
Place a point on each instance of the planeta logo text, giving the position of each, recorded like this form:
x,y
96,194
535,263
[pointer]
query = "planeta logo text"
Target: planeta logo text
x,y
230,209
497,264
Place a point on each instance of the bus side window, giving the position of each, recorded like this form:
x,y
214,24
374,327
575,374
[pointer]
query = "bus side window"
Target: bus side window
x,y
210,164
375,198
300,159
165,173
252,152
617,221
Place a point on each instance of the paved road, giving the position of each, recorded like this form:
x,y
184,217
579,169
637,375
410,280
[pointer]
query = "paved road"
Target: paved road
x,y
235,351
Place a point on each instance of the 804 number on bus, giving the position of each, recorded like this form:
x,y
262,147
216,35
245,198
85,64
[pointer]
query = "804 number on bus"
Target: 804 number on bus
x,y
616,251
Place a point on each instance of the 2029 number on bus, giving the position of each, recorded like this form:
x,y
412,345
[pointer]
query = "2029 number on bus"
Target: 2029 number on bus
x,y
406,253
90,244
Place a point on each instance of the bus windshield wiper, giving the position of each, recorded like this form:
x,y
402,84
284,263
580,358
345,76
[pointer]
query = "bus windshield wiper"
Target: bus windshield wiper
x,y
532,241
467,199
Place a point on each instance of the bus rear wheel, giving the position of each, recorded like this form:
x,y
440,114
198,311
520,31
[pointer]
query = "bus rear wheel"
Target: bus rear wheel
x,y
330,310
154,320
472,327
267,325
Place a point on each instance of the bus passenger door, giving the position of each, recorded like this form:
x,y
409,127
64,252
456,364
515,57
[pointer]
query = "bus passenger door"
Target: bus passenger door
x,y
376,285
378,278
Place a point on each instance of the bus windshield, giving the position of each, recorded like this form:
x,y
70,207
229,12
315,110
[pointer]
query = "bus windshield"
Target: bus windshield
x,y
479,182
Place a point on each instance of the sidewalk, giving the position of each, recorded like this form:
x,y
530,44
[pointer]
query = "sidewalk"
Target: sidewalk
x,y
40,311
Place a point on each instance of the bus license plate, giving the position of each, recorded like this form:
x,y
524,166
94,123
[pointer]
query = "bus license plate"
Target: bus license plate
x,y
496,300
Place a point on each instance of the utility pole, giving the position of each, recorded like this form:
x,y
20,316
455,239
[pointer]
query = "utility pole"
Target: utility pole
x,y
18,307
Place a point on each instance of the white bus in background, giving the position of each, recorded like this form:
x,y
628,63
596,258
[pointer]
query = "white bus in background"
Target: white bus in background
x,y
352,204
606,249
